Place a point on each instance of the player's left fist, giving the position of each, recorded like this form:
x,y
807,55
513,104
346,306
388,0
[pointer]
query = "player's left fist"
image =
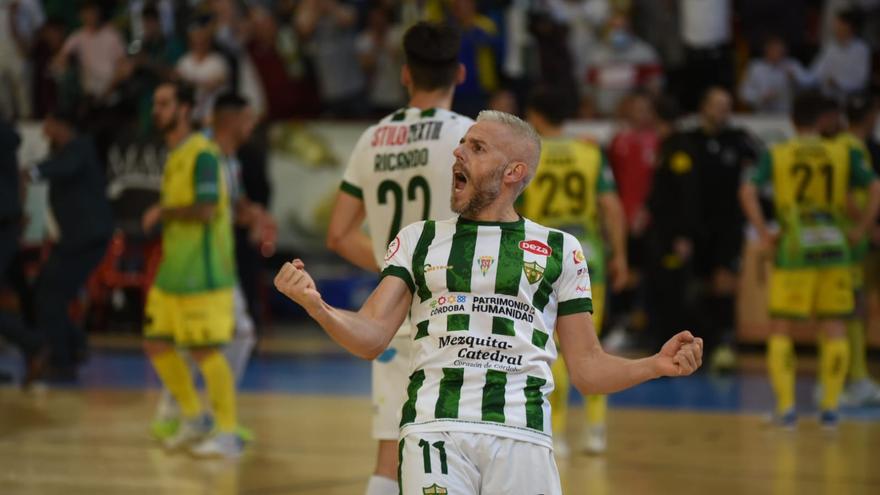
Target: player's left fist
x,y
680,356
295,282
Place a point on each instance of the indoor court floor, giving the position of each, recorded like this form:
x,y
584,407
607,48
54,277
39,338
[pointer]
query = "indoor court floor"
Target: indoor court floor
x,y
310,413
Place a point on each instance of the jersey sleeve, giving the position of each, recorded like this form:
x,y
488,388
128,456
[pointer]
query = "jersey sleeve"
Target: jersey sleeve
x,y
763,172
574,292
860,173
605,182
207,178
398,257
352,180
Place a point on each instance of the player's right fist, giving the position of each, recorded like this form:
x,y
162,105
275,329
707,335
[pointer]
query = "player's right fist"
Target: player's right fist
x,y
294,282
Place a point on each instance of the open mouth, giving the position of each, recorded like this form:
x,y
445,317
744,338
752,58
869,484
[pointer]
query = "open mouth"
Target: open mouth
x,y
459,180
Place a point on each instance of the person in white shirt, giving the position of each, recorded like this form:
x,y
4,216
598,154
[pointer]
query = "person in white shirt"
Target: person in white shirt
x,y
771,82
706,29
844,64
203,68
99,49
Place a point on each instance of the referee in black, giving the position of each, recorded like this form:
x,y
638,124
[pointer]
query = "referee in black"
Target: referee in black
x,y
696,233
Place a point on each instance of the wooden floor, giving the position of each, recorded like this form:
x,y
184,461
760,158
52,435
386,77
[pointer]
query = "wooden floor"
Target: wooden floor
x,y
95,442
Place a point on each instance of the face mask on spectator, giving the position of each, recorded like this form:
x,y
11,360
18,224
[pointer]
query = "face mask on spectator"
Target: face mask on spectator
x,y
620,39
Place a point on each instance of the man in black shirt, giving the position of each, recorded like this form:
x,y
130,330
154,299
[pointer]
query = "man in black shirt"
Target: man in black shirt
x,y
78,199
697,225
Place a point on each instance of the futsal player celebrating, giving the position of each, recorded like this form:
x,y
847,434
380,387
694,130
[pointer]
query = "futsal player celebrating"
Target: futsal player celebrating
x,y
477,419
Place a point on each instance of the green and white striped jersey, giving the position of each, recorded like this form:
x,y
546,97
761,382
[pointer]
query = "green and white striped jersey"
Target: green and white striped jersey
x,y
486,296
402,170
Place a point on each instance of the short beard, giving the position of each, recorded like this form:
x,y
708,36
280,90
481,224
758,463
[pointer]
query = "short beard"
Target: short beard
x,y
483,196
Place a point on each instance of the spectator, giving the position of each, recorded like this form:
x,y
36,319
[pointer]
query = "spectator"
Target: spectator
x,y
203,68
479,45
761,20
79,203
19,22
657,22
48,45
329,26
584,20
621,64
551,38
98,48
381,56
844,64
772,81
153,58
284,96
706,28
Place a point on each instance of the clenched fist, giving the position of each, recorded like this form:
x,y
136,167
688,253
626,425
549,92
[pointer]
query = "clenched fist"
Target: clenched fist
x,y
294,282
680,356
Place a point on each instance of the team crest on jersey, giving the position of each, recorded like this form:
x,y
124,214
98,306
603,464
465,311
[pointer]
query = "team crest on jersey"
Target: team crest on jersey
x,y
392,248
534,272
680,162
578,256
434,489
485,264
536,247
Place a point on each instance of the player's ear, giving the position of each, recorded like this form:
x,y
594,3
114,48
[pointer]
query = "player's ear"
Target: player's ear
x,y
462,74
516,172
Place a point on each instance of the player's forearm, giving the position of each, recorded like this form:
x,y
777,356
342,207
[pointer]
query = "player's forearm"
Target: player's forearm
x,y
748,197
356,332
872,209
356,248
602,373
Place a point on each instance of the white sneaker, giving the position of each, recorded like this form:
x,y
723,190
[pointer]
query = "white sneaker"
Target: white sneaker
x,y
560,446
865,392
595,440
189,432
226,445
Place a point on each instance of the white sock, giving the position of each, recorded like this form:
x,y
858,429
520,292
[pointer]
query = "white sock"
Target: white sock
x,y
380,485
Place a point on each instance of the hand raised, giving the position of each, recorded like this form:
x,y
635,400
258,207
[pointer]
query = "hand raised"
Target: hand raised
x,y
294,282
680,356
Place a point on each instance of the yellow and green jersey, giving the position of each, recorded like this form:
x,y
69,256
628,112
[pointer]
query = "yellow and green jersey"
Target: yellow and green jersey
x,y
196,256
564,194
812,179
860,195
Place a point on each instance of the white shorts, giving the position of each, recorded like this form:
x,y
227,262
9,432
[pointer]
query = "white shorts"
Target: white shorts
x,y
391,372
471,464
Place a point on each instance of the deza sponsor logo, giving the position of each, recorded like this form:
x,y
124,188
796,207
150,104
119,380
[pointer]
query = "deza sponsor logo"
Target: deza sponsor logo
x,y
448,304
535,247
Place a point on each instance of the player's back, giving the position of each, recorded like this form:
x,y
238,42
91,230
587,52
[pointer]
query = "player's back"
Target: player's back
x,y
811,173
563,192
402,169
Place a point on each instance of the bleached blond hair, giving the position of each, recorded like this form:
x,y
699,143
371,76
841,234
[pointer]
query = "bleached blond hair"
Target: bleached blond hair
x,y
528,148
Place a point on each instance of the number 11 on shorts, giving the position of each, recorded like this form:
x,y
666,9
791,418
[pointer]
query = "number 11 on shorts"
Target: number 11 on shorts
x,y
426,454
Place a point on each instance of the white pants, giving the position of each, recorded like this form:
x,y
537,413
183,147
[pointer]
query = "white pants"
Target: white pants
x,y
390,379
475,464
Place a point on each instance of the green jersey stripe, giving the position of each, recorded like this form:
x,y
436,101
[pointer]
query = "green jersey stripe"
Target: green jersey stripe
x,y
502,326
400,467
457,323
401,273
351,189
510,260
461,257
551,273
416,380
421,330
450,393
582,305
493,396
418,262
428,113
206,256
400,115
534,402
539,338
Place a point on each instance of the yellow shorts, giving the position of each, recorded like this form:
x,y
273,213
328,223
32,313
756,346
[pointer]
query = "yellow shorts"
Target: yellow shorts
x,y
189,320
820,292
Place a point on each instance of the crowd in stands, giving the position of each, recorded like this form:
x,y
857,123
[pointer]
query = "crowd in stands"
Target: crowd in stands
x,y
342,58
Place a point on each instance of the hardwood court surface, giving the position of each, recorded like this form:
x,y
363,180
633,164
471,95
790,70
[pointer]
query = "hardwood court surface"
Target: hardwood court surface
x,y
94,441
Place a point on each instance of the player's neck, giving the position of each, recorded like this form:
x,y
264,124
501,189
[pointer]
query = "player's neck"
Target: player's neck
x,y
177,135
431,99
496,212
860,132
225,142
